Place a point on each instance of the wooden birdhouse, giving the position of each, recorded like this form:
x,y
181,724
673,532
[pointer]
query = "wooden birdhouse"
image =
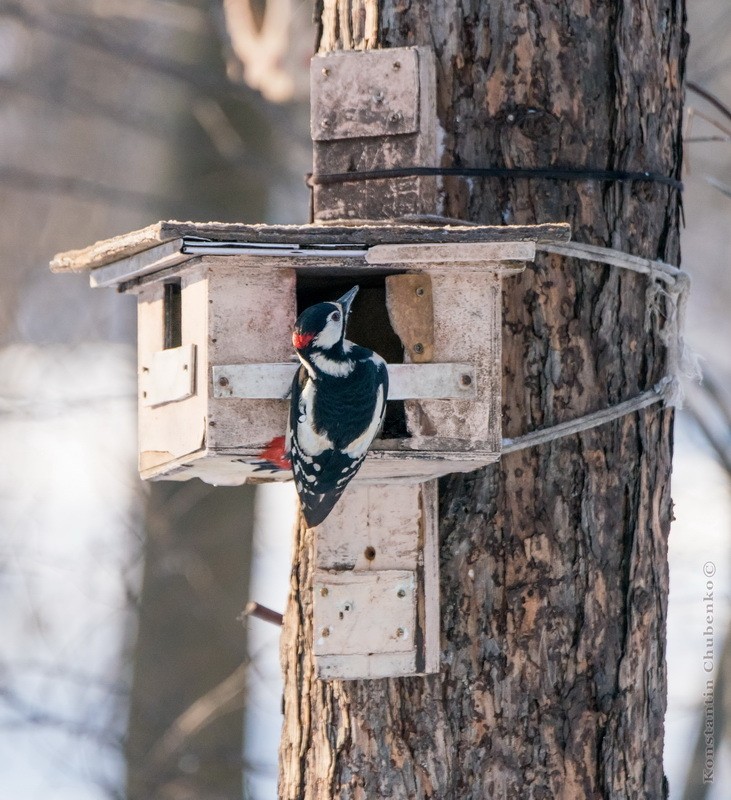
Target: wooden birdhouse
x,y
217,303
216,307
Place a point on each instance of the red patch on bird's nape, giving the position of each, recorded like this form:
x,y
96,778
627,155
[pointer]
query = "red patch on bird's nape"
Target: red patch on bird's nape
x,y
301,340
274,453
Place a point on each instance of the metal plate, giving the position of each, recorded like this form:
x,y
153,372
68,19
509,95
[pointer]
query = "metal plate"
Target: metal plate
x,y
364,612
356,94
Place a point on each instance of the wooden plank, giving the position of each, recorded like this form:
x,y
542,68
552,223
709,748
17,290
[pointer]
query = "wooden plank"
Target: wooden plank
x,y
366,667
460,253
364,612
251,316
174,430
374,94
430,612
406,381
167,376
466,326
156,259
107,251
410,305
404,79
359,233
380,529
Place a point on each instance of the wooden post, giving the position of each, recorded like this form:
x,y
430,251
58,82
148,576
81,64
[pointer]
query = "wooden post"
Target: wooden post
x,y
554,561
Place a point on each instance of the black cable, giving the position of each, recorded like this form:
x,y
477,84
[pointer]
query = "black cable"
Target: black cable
x,y
551,173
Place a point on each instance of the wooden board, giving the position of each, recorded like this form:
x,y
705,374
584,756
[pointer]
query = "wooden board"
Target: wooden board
x,y
167,376
374,110
109,251
378,543
252,313
406,381
177,429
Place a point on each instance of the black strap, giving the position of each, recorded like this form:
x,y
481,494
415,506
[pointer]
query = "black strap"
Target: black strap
x,y
550,173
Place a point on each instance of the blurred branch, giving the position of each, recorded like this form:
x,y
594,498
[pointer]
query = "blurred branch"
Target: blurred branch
x,y
84,103
724,188
261,47
80,31
254,609
710,408
84,189
227,696
28,715
711,98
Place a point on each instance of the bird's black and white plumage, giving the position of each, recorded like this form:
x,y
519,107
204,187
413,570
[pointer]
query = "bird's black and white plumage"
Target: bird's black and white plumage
x,y
338,402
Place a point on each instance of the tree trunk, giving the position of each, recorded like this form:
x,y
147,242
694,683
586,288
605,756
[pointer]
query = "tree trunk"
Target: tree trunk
x,y
554,573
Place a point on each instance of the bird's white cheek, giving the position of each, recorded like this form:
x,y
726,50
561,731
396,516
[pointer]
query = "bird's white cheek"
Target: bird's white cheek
x,y
329,335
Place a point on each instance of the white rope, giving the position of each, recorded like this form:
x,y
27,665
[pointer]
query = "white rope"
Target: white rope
x,y
667,282
616,258
660,392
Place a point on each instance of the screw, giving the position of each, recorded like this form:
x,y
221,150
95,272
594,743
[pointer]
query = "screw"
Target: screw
x,y
378,98
397,65
419,348
347,607
399,632
325,71
395,118
401,593
325,123
324,592
223,381
420,291
466,380
326,632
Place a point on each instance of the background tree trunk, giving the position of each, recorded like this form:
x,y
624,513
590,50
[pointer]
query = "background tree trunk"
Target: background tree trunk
x,y
554,561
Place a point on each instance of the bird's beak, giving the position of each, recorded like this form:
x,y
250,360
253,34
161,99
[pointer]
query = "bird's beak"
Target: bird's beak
x,y
346,301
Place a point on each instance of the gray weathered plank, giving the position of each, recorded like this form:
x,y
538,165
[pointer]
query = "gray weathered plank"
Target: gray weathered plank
x,y
406,381
111,250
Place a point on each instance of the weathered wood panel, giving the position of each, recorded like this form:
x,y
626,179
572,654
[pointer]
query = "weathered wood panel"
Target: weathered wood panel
x,y
376,591
175,429
466,309
380,115
111,250
274,381
252,313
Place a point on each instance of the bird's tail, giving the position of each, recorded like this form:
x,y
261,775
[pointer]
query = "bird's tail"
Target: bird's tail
x,y
315,507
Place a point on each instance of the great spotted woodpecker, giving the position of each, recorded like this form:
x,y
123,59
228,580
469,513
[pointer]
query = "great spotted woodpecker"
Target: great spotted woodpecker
x,y
338,402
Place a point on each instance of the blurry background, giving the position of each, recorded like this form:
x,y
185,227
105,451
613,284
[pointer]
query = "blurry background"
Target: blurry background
x,y
124,672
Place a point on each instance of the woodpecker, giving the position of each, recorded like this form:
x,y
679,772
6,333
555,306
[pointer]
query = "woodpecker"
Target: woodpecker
x,y
338,401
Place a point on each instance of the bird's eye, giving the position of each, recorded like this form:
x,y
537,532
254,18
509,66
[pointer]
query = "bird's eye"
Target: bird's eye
x,y
335,316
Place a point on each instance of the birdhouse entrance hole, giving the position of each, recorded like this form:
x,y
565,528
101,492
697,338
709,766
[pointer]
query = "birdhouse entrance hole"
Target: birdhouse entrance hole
x,y
369,326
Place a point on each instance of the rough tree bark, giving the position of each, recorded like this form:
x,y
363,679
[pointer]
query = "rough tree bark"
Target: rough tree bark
x,y
553,562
